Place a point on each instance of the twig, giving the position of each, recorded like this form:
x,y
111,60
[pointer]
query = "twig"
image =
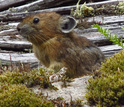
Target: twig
x,y
11,63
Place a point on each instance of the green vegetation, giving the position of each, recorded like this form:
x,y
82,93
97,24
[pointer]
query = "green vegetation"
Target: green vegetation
x,y
114,38
120,7
29,78
15,84
20,96
107,89
82,11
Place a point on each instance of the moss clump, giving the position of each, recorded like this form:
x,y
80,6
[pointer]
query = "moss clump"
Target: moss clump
x,y
107,89
30,78
82,11
120,7
13,95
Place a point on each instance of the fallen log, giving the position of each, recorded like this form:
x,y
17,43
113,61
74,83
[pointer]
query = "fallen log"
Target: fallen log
x,y
8,16
109,50
25,5
29,58
16,58
38,5
15,45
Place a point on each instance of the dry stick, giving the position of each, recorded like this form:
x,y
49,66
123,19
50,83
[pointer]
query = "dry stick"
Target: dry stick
x,y
71,99
11,62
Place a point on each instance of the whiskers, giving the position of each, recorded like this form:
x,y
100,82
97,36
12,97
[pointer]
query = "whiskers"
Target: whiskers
x,y
32,38
36,39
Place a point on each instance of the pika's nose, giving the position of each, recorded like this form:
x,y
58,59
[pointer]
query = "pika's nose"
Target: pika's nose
x,y
23,28
18,28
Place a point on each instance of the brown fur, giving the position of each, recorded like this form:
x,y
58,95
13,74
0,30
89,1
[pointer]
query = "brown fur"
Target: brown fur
x,y
56,49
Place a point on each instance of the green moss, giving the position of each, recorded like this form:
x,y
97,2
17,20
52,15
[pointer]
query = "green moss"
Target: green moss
x,y
15,83
31,78
82,11
12,95
120,7
107,89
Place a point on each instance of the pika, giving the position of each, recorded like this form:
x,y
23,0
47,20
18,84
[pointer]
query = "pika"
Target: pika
x,y
56,45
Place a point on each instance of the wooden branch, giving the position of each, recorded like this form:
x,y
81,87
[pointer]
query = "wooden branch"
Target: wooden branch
x,y
8,32
8,16
19,58
34,5
10,3
38,5
15,45
109,50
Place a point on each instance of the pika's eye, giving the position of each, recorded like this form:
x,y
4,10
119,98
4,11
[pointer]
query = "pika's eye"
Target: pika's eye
x,y
36,20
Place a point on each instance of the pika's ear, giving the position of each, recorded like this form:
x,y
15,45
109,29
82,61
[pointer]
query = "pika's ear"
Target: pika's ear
x,y
67,24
